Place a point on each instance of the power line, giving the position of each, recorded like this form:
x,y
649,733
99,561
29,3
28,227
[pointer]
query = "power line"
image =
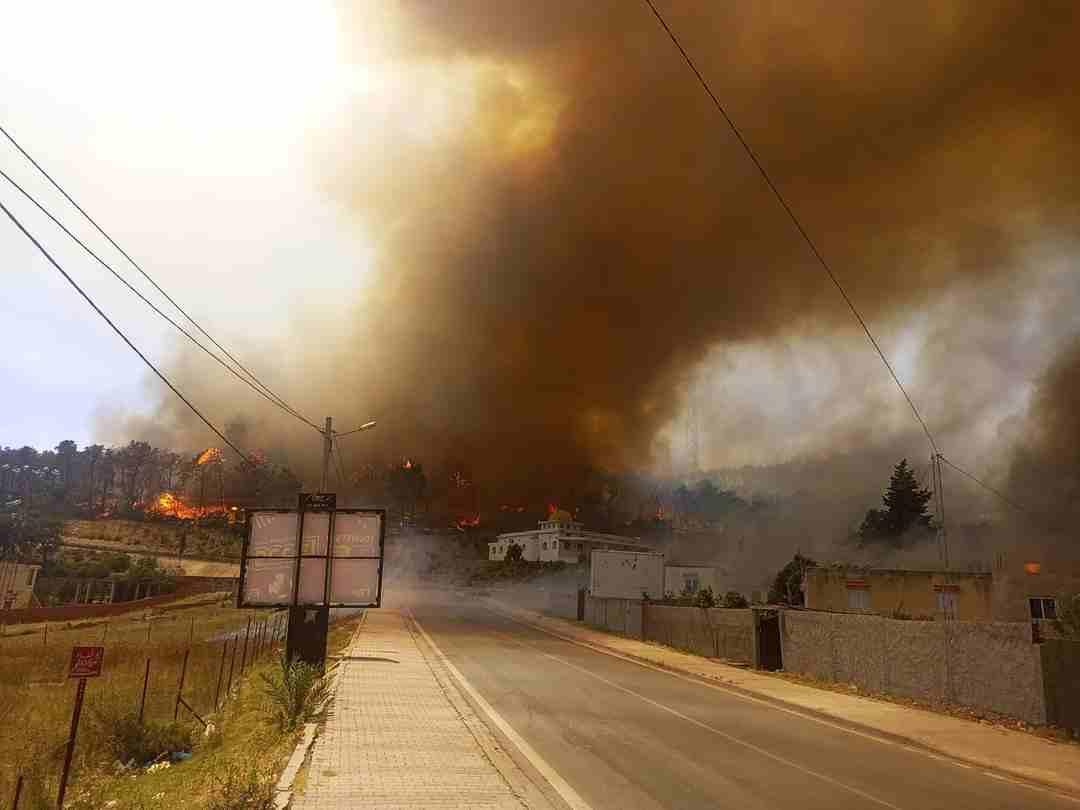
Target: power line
x,y
791,215
989,488
118,331
150,303
136,265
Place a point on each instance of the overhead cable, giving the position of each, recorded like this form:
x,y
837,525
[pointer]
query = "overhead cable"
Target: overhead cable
x,y
151,304
791,215
138,267
123,337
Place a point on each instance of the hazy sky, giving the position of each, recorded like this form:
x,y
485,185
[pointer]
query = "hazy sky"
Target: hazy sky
x,y
192,134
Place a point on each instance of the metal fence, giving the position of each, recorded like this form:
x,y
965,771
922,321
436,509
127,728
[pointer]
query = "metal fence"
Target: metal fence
x,y
176,668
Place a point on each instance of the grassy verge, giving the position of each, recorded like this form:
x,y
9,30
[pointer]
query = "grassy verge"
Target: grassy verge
x,y
36,698
232,768
160,535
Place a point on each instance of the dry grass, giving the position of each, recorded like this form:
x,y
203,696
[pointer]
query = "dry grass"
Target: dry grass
x,y
36,698
232,768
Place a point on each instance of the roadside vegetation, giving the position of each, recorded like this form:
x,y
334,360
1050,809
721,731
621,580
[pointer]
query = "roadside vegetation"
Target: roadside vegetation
x,y
36,698
236,763
212,538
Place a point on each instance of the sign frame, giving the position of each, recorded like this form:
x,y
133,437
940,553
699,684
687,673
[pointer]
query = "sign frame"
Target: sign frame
x,y
97,665
312,504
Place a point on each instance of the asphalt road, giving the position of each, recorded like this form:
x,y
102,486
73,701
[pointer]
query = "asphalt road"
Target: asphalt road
x,y
625,736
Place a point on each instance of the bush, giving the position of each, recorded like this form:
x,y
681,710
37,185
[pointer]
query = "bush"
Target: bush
x,y
704,598
243,786
734,599
513,553
125,739
296,691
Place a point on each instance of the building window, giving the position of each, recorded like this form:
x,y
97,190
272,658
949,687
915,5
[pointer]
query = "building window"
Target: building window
x,y
946,603
1043,607
858,599
690,583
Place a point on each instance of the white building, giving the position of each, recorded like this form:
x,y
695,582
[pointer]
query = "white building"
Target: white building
x,y
680,578
560,538
17,584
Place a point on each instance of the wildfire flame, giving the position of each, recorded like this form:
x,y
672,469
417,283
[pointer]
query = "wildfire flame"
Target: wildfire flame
x,y
552,509
407,465
208,456
469,521
172,505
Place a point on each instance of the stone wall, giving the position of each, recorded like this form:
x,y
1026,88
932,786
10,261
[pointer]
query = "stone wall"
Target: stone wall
x,y
1061,682
985,665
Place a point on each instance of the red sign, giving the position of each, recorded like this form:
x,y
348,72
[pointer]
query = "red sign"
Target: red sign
x,y
86,662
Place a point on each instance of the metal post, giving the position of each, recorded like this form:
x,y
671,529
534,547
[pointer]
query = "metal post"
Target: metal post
x,y
45,636
232,663
180,686
145,683
243,655
80,693
328,443
18,792
221,673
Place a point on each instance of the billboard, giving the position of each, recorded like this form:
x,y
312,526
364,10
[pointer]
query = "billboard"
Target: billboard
x,y
314,556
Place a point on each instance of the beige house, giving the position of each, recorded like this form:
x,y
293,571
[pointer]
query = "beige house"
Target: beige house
x,y
889,592
17,582
1025,584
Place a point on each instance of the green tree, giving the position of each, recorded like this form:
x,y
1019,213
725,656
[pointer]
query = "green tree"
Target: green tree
x,y
514,553
904,514
68,452
787,586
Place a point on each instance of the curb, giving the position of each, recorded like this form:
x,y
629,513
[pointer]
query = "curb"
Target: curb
x,y
283,792
529,618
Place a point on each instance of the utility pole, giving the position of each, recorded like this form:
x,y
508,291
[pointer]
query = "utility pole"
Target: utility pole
x,y
328,444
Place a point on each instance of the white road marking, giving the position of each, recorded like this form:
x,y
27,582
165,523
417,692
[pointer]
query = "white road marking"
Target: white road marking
x,y
729,737
560,785
774,706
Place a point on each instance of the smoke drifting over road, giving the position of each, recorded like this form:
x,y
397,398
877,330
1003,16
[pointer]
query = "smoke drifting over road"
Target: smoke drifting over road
x,y
565,227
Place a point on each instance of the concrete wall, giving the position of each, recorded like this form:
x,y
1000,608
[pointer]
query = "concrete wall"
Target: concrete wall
x,y
614,615
715,633
914,593
991,666
1061,682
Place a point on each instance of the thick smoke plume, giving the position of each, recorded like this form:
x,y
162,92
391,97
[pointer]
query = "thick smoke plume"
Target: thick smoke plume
x,y
565,227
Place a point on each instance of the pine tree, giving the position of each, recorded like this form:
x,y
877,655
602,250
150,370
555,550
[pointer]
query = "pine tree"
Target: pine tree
x,y
904,515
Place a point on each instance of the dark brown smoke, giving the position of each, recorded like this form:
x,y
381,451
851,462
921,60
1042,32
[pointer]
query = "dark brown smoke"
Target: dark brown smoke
x,y
556,255
1045,473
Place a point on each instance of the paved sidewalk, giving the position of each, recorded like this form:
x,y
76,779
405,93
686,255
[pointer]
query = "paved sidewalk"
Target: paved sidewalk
x,y
396,737
990,747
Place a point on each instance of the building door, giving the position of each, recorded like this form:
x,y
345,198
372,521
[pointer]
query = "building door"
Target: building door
x,y
768,639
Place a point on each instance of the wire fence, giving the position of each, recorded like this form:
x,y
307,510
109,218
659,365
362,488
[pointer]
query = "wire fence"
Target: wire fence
x,y
160,670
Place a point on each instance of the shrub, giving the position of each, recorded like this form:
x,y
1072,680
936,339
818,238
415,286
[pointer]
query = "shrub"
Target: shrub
x,y
125,739
242,786
704,598
734,599
296,691
513,553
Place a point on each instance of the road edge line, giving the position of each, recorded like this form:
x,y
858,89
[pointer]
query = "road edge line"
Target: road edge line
x,y
841,724
557,783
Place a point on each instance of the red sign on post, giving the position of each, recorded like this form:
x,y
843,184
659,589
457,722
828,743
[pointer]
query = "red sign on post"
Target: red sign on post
x,y
86,662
